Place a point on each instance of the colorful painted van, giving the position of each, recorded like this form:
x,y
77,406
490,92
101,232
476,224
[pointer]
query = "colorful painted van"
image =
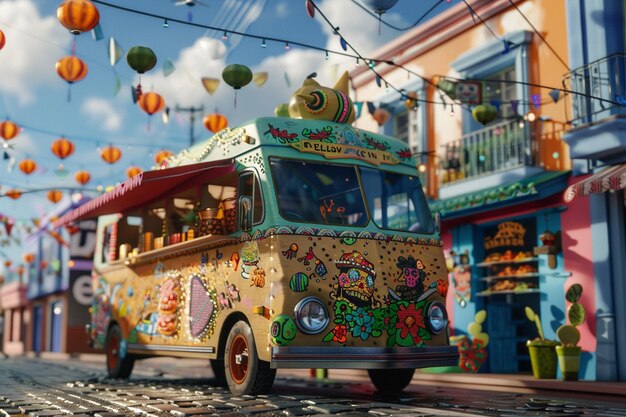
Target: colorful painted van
x,y
282,243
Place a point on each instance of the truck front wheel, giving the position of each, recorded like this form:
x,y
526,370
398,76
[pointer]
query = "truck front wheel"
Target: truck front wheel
x,y
245,372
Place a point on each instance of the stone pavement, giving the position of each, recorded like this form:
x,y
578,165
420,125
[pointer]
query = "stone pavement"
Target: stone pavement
x,y
36,387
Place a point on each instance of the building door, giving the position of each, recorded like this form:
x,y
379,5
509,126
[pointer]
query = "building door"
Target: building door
x,y
56,324
37,328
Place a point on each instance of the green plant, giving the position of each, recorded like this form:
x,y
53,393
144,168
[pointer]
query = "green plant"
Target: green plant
x,y
568,334
190,217
534,317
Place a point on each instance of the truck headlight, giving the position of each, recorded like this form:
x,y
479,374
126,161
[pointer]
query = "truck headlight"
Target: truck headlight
x,y
437,317
311,315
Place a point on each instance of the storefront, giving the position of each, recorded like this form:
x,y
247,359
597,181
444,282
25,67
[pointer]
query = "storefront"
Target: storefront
x,y
515,247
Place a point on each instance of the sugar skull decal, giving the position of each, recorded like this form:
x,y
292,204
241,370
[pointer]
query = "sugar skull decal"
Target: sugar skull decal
x,y
356,279
411,279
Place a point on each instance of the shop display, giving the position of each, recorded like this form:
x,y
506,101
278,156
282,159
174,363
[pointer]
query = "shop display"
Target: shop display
x,y
510,271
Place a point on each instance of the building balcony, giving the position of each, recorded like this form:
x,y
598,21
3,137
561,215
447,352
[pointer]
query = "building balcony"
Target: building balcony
x,y
599,110
501,154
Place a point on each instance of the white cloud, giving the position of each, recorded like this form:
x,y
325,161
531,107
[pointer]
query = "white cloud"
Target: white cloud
x,y
27,59
282,9
102,112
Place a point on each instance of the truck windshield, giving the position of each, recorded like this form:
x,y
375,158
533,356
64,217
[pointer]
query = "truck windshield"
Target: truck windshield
x,y
320,193
396,201
323,193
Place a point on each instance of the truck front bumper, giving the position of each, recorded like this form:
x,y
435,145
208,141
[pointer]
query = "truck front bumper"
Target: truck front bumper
x,y
364,358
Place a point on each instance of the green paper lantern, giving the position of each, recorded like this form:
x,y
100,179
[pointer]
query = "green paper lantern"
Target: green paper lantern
x,y
237,75
141,59
484,113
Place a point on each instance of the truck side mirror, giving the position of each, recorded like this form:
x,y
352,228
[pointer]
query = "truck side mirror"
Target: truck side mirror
x,y
245,213
437,221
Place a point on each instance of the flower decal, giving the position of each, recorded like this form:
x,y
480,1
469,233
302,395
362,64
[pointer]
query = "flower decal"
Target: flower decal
x,y
410,321
339,334
408,328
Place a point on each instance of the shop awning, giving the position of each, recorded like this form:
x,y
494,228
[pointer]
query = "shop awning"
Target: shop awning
x,y
531,188
609,179
143,188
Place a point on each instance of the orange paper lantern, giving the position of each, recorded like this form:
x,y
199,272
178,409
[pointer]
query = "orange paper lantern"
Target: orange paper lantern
x,y
78,15
55,196
29,257
62,148
215,122
161,156
28,166
82,177
151,103
71,69
14,194
132,171
3,39
9,130
8,264
111,154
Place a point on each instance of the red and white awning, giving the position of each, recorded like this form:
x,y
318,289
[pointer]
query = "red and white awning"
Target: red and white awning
x,y
143,188
610,179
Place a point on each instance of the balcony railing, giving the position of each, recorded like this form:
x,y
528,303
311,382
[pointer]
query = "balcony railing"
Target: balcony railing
x,y
600,88
503,146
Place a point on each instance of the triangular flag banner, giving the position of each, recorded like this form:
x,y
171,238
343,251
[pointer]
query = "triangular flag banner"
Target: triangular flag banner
x,y
514,104
115,51
536,99
371,107
358,107
96,33
378,80
259,78
496,104
210,84
620,100
287,80
134,94
344,44
118,85
555,95
168,67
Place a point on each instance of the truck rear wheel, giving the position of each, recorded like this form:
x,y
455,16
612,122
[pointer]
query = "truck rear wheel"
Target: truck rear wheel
x,y
118,365
245,372
391,380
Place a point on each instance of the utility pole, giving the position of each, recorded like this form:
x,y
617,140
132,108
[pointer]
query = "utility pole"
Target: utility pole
x,y
192,119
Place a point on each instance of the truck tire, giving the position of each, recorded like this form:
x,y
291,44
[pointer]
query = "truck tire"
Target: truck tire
x,y
217,366
391,380
245,372
117,367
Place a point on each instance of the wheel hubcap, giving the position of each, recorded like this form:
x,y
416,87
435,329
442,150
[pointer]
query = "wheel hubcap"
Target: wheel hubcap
x,y
238,359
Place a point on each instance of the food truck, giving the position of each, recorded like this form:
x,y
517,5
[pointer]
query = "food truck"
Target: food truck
x,y
281,243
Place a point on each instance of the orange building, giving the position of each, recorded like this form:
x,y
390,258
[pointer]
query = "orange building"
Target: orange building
x,y
487,124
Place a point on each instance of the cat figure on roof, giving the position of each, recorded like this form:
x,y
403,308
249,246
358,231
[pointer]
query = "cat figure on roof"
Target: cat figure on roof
x,y
313,101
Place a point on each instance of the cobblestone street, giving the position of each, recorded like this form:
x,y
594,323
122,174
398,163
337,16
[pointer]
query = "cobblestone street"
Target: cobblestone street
x,y
37,387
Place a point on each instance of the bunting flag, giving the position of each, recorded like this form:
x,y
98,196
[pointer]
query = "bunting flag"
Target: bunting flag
x,y
96,33
287,81
555,95
496,103
378,80
118,85
168,67
135,94
358,107
620,100
514,104
536,99
115,51
210,84
371,107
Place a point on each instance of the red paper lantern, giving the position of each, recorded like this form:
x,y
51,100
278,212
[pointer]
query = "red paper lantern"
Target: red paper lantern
x,y
28,166
82,177
215,122
55,196
111,154
62,148
151,103
3,39
9,130
161,156
132,171
78,15
71,69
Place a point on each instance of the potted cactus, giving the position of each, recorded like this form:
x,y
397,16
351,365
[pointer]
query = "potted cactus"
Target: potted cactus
x,y
542,351
569,351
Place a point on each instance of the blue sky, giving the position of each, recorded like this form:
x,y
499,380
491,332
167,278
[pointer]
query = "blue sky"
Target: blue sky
x,y
34,96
